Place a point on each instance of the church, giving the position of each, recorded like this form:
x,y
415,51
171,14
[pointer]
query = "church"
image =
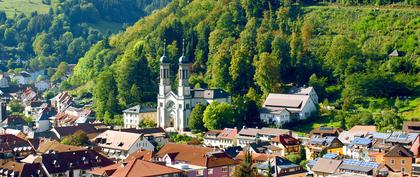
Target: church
x,y
174,108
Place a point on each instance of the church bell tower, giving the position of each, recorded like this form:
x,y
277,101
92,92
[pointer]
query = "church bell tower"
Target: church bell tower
x,y
165,81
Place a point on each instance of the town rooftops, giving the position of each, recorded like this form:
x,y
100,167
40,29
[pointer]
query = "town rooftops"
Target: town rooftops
x,y
403,138
286,140
117,140
398,151
280,162
274,131
196,155
361,142
13,143
328,166
136,167
60,162
248,132
68,130
139,109
14,121
16,169
358,166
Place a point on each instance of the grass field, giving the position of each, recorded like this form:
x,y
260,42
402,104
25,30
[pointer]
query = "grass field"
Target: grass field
x,y
22,6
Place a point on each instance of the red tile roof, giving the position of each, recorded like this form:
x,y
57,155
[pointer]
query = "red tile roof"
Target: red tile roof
x,y
196,155
286,140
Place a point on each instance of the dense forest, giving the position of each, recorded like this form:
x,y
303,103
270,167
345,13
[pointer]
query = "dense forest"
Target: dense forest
x,y
251,48
40,41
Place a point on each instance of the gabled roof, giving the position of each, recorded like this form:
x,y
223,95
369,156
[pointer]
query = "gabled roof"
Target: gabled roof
x,y
136,167
398,151
395,53
68,130
14,120
196,155
142,154
117,139
286,140
364,129
358,166
59,162
46,145
328,166
139,109
293,102
228,133
248,132
21,169
10,142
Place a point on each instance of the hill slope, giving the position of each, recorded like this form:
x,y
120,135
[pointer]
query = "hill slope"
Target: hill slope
x,y
239,45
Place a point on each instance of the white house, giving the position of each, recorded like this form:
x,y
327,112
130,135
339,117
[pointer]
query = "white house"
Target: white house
x,y
42,85
23,78
281,108
42,122
134,115
119,145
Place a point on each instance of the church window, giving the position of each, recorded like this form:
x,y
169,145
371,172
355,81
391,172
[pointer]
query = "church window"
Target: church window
x,y
187,106
180,106
161,104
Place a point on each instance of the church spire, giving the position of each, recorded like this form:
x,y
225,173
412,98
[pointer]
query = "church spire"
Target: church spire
x,y
163,58
183,59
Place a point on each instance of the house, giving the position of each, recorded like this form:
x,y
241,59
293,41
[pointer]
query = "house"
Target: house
x,y
221,138
279,166
136,114
16,169
28,96
318,144
4,81
283,108
399,159
359,149
197,160
256,157
119,145
263,148
22,78
411,127
325,167
395,53
14,122
73,116
13,148
246,136
42,85
287,143
62,101
157,136
358,167
33,107
62,132
42,122
326,131
138,168
72,163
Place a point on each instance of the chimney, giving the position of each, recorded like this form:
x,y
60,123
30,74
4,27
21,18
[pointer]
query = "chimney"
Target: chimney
x,y
3,111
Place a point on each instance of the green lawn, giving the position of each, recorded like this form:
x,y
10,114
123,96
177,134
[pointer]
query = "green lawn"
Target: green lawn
x,y
105,26
22,6
325,121
411,110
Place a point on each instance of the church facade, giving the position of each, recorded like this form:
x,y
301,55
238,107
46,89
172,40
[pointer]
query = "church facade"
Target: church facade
x,y
174,108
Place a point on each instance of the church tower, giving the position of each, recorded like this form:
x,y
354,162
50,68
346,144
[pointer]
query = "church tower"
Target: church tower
x,y
165,81
164,88
184,90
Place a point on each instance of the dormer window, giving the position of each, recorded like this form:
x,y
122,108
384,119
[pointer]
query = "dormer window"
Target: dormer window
x,y
56,164
120,144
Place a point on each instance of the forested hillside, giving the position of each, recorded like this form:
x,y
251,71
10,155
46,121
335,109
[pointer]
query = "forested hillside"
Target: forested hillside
x,y
251,48
32,40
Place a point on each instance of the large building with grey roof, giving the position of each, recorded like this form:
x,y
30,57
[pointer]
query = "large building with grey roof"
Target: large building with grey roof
x,y
282,108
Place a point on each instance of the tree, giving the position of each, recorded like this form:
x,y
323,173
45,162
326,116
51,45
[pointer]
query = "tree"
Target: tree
x,y
147,123
196,118
77,139
245,169
218,115
15,106
267,73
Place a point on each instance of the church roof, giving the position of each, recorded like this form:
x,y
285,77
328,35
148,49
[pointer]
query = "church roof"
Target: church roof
x,y
183,60
209,93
